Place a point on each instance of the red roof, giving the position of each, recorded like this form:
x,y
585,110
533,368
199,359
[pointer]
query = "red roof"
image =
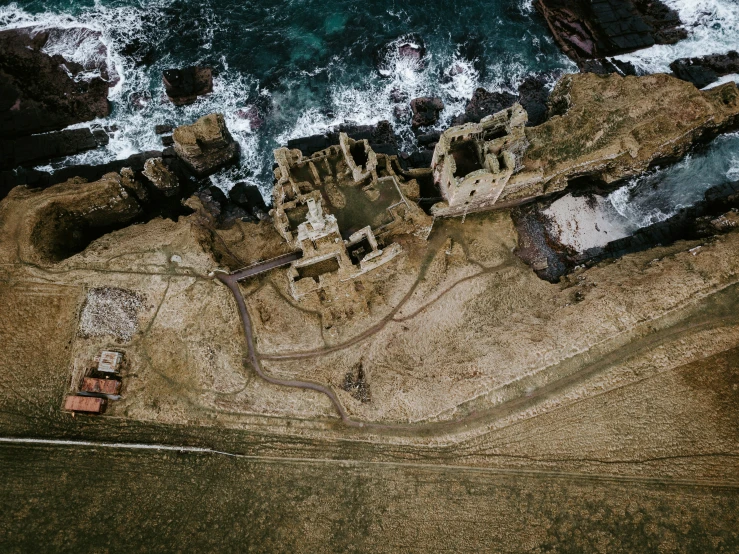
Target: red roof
x,y
89,404
105,386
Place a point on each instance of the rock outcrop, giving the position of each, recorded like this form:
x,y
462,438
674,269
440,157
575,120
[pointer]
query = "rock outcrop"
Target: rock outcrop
x,y
183,86
161,177
381,137
37,148
34,178
62,220
426,111
602,128
612,127
249,198
54,223
588,29
533,95
484,103
39,92
707,69
205,146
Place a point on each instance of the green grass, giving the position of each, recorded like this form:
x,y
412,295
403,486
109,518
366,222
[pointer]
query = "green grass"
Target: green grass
x,y
83,499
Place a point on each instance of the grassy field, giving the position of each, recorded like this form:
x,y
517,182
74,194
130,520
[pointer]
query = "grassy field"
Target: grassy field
x,y
626,446
83,499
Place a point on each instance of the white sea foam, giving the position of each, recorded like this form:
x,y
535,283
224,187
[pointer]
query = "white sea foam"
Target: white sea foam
x,y
372,100
713,26
733,172
113,28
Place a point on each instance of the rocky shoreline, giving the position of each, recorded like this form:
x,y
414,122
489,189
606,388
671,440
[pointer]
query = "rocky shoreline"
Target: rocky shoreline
x,y
42,95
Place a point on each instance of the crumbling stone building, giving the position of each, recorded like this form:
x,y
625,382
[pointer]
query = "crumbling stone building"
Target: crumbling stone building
x,y
342,207
473,163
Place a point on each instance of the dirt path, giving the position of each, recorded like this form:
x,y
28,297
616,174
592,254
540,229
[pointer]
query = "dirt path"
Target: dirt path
x,y
670,333
580,477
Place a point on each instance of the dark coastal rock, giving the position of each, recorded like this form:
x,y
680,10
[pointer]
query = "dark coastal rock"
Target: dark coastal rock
x,y
605,66
252,115
484,103
214,202
588,29
533,95
699,75
37,94
44,147
163,129
206,146
410,48
249,198
34,178
231,214
668,29
183,86
381,137
167,140
224,211
426,111
420,159
310,145
723,64
534,245
428,140
707,69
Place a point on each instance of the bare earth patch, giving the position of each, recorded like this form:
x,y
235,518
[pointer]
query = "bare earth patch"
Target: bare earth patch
x,y
111,311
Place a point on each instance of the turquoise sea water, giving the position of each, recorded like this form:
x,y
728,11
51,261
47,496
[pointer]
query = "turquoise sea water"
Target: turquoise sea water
x,y
307,65
310,65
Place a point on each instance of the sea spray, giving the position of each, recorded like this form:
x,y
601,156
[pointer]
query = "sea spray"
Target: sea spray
x,y
713,27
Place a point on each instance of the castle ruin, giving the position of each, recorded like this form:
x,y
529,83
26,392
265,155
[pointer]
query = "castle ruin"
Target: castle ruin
x,y
473,163
342,207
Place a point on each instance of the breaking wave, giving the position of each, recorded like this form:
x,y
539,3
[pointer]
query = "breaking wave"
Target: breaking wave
x,y
713,27
311,67
660,194
305,69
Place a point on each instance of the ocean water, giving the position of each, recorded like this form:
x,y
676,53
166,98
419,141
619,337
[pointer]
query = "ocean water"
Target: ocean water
x,y
309,65
650,198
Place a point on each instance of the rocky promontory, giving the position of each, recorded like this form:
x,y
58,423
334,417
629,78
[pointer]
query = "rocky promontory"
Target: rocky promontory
x,y
590,29
205,146
39,92
707,69
607,128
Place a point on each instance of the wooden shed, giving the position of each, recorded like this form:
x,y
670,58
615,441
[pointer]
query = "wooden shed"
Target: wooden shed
x,y
87,404
109,361
104,386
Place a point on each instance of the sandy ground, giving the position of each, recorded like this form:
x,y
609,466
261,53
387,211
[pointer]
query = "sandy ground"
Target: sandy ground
x,y
582,222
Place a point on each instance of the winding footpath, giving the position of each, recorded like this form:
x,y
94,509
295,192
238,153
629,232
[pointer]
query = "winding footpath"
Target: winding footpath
x,y
231,280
